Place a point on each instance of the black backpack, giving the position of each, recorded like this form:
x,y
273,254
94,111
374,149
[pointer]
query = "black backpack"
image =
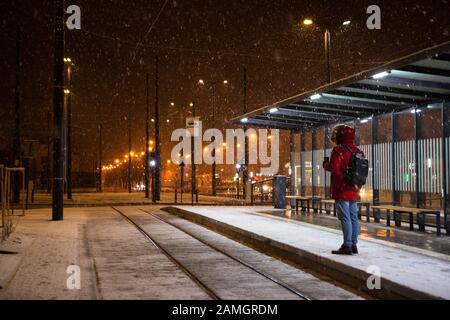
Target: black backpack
x,y
357,169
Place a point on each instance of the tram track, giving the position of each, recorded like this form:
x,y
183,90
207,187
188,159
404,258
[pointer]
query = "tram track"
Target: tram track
x,y
191,275
204,286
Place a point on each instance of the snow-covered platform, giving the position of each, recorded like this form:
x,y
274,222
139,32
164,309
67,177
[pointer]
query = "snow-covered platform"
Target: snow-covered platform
x,y
406,271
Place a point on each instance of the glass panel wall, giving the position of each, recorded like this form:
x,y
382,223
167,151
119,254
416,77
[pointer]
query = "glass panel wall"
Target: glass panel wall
x,y
446,128
307,163
405,159
297,172
319,172
364,130
285,153
383,160
430,157
329,148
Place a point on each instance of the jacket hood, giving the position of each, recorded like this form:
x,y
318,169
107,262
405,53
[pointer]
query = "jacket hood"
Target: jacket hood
x,y
345,136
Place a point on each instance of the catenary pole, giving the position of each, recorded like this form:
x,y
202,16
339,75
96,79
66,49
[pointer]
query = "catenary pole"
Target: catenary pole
x,y
147,140
58,120
246,151
16,138
157,138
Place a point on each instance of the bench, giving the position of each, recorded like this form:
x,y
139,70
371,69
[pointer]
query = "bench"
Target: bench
x,y
301,200
361,204
420,213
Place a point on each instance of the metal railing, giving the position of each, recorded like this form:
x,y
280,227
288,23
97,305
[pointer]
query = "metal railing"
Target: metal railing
x,y
7,208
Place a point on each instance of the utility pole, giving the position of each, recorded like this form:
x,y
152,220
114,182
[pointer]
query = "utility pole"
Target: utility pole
x,y
213,173
246,165
147,141
16,139
58,105
69,132
69,147
130,158
182,165
194,169
157,141
49,152
100,157
153,180
214,164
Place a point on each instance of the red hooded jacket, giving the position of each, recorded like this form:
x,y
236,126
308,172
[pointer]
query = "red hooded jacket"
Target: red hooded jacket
x,y
338,163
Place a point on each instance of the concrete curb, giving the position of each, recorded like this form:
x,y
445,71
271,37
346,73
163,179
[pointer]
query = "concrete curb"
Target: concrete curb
x,y
347,275
11,259
8,268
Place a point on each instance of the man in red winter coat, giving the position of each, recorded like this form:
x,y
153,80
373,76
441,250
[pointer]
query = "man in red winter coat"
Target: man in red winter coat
x,y
346,196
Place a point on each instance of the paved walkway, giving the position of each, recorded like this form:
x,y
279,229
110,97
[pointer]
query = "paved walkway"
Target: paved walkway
x,y
421,270
115,260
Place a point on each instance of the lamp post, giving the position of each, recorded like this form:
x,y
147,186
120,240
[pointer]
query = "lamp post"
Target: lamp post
x,y
58,120
16,142
193,179
100,157
246,147
213,169
308,22
153,163
157,136
70,64
130,153
182,165
147,141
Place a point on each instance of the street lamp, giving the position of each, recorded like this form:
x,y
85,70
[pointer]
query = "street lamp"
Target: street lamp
x,y
309,22
212,86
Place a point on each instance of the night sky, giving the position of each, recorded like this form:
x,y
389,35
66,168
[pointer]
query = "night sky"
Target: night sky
x,y
210,40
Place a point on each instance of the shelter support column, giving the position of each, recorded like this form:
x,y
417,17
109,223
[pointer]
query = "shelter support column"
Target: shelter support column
x,y
395,194
326,146
302,163
375,161
292,163
313,161
417,160
446,162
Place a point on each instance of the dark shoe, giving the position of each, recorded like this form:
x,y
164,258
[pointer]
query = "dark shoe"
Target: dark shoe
x,y
355,250
343,251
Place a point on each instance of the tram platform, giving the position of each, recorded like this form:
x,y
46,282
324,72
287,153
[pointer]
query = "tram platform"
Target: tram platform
x,y
405,270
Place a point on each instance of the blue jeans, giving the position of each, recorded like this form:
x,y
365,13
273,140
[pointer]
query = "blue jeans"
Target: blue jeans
x,y
347,212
